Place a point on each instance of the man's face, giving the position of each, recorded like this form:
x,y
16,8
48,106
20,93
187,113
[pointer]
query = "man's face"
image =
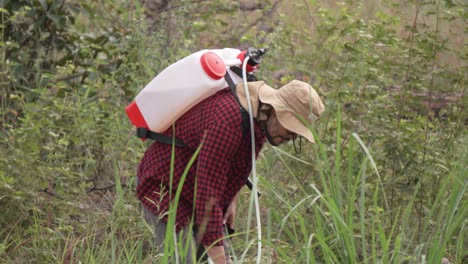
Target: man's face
x,y
275,132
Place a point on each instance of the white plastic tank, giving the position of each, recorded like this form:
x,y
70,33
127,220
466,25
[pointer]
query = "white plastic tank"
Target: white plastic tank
x,y
181,86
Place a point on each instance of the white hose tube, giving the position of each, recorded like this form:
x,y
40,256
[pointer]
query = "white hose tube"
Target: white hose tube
x,y
254,167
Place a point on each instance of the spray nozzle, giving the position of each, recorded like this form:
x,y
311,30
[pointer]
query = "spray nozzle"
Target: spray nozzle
x,y
255,55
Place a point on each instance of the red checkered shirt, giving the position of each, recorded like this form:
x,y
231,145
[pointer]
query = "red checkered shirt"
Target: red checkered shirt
x,y
219,172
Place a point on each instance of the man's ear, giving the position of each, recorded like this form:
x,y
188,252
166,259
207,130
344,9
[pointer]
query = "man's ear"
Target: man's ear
x,y
265,111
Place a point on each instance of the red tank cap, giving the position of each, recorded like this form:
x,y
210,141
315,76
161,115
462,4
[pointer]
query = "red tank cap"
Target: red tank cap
x,y
213,65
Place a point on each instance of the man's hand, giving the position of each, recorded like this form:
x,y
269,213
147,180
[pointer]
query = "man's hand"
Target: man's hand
x,y
230,214
216,255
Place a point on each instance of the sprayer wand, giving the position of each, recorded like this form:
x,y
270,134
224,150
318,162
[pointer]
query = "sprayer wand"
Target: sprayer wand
x,y
254,58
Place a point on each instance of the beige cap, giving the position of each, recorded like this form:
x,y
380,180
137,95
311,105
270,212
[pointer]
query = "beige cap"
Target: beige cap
x,y
294,99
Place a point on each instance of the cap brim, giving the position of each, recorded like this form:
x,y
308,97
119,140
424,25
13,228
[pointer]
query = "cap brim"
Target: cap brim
x,y
285,116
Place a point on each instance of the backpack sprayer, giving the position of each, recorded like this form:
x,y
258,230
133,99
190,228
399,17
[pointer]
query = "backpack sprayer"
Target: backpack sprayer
x,y
187,82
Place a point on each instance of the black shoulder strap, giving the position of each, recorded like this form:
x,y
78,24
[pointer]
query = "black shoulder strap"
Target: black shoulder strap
x,y
244,113
250,76
142,132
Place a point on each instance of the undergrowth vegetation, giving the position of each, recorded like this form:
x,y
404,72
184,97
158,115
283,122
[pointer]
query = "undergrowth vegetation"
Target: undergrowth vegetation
x,y
385,183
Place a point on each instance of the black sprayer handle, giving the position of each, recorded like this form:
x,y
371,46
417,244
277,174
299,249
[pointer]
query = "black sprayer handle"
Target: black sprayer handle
x,y
250,185
255,55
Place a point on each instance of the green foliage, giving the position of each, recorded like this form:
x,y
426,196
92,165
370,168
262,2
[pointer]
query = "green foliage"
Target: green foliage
x,y
385,83
62,100
385,183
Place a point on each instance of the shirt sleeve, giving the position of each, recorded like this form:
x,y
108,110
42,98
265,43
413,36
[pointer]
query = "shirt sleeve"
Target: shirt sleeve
x,y
220,143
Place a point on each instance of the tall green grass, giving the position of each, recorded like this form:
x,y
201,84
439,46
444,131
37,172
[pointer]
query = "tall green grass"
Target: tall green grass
x,y
341,216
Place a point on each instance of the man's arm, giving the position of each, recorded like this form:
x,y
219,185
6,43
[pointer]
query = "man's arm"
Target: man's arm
x,y
214,160
230,215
